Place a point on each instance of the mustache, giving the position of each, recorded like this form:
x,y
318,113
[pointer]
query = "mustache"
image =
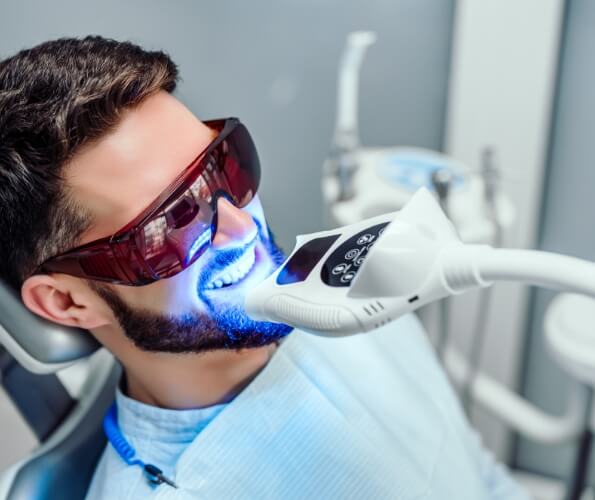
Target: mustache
x,y
227,257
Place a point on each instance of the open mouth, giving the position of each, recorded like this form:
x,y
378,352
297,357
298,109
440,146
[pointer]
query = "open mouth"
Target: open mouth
x,y
234,273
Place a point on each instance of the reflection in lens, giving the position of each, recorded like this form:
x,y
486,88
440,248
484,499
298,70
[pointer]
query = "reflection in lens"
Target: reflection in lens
x,y
201,241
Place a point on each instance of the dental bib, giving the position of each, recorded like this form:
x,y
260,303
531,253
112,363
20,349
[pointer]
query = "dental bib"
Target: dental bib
x,y
364,417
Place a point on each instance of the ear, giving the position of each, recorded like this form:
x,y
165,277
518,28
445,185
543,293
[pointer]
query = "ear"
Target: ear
x,y
60,300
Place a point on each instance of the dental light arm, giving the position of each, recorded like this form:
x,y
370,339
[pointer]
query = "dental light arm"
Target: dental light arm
x,y
359,277
346,133
543,269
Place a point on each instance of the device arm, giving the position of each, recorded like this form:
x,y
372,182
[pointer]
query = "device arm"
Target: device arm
x,y
538,268
469,266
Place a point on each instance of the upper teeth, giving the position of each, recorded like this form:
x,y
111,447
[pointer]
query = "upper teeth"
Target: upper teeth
x,y
235,272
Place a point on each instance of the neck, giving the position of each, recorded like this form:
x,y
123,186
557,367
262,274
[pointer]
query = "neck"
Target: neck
x,y
181,381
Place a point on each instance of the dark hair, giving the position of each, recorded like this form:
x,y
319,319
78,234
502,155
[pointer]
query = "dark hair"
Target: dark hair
x,y
55,98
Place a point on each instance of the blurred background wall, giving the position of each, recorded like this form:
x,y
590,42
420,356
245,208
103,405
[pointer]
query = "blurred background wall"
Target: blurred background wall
x,y
566,226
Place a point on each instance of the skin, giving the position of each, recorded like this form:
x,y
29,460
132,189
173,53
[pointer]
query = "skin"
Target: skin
x,y
117,177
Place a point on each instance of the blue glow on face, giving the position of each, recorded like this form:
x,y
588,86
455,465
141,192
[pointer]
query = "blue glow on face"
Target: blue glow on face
x,y
224,325
227,310
239,326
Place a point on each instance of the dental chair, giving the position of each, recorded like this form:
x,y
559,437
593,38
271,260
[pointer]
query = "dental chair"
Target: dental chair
x,y
68,427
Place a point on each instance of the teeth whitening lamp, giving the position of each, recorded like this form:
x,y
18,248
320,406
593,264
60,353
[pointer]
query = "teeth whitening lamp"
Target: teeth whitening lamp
x,y
359,277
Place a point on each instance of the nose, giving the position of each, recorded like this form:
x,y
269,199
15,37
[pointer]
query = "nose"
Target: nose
x,y
234,226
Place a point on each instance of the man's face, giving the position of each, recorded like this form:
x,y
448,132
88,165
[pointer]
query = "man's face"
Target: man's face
x,y
201,308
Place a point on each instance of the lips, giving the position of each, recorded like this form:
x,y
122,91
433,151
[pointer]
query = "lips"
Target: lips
x,y
234,272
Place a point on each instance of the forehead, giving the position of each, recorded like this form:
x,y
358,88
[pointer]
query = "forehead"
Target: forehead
x,y
118,176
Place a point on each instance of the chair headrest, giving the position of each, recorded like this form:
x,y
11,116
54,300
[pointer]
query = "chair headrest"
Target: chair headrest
x,y
39,345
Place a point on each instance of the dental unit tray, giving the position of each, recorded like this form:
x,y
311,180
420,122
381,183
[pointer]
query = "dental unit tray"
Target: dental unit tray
x,y
359,277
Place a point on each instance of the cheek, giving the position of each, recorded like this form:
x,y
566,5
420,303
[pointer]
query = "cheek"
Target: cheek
x,y
176,295
147,297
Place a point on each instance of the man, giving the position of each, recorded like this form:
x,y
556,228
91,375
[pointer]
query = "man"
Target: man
x,y
126,215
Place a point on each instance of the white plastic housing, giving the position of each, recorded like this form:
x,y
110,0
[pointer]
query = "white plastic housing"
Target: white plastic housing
x,y
400,273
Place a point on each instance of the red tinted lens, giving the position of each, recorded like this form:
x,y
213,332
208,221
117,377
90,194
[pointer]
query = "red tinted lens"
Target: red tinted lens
x,y
100,263
174,238
240,165
176,231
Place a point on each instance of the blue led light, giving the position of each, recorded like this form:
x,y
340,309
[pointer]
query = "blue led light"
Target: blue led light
x,y
414,170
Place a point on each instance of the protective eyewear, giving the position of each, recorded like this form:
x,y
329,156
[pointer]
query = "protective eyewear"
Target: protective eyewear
x,y
178,227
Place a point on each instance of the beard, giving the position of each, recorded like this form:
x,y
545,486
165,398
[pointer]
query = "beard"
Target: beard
x,y
225,326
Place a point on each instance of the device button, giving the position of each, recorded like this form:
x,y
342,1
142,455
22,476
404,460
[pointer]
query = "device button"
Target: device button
x,y
352,254
347,277
340,268
366,238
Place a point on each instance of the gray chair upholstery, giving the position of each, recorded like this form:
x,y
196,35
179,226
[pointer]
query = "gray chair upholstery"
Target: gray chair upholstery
x,y
63,465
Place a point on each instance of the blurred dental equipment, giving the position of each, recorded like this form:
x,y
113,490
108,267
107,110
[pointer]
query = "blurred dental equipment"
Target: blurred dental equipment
x,y
346,138
442,182
362,276
491,178
359,182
